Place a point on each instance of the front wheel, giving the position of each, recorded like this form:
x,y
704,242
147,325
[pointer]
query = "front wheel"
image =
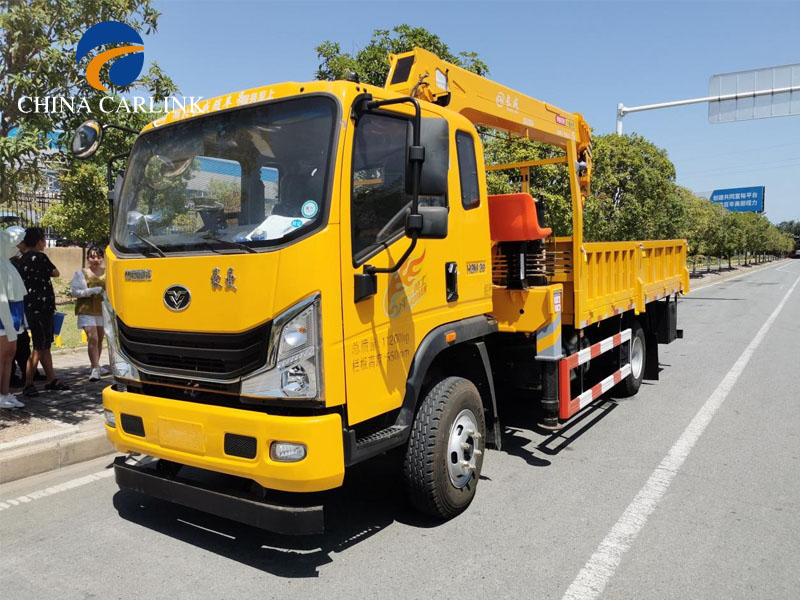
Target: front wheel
x,y
444,456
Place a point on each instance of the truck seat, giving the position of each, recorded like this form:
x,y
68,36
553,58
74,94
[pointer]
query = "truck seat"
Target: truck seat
x,y
512,218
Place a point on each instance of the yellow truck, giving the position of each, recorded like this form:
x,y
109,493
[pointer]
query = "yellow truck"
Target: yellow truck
x,y
303,276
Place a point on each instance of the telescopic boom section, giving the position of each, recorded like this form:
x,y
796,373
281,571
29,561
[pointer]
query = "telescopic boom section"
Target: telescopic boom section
x,y
424,75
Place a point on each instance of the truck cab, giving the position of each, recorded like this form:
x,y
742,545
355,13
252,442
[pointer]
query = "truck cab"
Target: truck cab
x,y
238,339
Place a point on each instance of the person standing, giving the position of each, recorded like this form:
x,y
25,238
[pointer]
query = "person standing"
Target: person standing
x,y
12,311
40,304
23,339
87,288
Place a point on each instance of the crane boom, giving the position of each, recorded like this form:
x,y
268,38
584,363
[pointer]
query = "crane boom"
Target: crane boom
x,y
424,75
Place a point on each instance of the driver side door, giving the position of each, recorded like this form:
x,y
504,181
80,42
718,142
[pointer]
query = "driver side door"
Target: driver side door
x,y
382,332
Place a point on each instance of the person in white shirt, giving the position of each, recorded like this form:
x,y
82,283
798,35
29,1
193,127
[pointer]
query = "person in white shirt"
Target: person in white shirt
x,y
87,288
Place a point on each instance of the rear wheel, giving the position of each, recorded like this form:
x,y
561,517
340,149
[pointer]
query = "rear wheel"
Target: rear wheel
x,y
444,456
637,354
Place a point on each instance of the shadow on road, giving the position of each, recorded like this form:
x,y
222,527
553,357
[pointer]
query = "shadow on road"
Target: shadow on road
x,y
371,499
558,441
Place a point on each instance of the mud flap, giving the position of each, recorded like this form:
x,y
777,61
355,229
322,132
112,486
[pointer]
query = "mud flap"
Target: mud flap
x,y
651,368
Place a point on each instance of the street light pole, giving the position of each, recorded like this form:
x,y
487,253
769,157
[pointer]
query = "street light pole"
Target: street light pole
x,y
623,110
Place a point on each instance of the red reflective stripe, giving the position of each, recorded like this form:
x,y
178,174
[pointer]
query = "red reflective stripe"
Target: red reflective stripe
x,y
594,350
563,390
567,407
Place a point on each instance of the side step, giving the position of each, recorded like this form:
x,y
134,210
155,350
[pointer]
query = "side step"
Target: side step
x,y
377,442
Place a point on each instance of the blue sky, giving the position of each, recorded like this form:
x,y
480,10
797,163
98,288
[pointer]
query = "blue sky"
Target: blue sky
x,y
583,57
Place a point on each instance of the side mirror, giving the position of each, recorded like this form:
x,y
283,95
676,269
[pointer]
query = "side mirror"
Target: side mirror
x,y
86,139
434,222
434,137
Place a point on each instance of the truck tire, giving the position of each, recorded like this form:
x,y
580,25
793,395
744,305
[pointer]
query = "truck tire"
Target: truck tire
x,y
638,354
444,455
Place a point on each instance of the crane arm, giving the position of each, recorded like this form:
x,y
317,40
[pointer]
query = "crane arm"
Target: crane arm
x,y
424,75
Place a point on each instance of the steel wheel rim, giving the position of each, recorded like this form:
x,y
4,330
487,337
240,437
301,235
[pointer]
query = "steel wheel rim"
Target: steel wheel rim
x,y
462,444
637,357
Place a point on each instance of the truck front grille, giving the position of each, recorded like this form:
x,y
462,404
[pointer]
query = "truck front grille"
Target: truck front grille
x,y
212,355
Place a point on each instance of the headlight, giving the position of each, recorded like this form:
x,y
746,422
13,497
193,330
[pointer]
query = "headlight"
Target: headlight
x,y
120,367
294,361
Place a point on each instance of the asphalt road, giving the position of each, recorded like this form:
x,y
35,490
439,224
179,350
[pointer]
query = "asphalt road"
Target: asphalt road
x,y
727,524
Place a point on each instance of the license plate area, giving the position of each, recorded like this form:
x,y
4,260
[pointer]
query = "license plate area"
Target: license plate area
x,y
181,435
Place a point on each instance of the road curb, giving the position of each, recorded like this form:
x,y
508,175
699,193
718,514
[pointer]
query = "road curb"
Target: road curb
x,y
720,277
39,454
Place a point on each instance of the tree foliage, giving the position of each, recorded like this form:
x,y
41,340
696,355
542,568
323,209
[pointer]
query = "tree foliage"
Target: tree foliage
x,y
791,229
371,62
82,214
37,58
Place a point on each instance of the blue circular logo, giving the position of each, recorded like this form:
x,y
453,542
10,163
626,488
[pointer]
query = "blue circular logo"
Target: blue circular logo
x,y
309,209
126,69
297,223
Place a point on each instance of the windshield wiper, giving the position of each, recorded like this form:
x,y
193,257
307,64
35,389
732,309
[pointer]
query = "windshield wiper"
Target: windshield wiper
x,y
149,243
229,243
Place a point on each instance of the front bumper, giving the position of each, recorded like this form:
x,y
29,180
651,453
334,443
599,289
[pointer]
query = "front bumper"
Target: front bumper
x,y
288,520
194,434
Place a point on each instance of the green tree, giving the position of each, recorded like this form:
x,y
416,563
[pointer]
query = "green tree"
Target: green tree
x,y
227,192
82,214
636,180
701,224
37,58
371,62
792,229
735,234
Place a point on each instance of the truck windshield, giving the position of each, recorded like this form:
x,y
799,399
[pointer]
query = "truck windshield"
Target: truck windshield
x,y
233,181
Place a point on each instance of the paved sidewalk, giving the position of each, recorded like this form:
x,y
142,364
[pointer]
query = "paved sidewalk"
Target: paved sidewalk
x,y
56,428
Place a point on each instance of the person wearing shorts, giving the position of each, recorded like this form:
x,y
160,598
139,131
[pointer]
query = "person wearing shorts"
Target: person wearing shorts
x,y
12,311
40,304
87,288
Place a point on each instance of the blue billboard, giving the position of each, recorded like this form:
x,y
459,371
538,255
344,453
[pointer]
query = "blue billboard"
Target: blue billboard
x,y
749,199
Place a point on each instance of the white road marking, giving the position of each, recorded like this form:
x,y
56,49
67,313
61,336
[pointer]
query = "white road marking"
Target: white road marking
x,y
782,268
592,579
61,487
206,529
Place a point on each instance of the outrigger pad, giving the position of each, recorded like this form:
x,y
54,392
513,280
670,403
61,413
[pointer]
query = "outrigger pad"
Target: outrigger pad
x,y
513,218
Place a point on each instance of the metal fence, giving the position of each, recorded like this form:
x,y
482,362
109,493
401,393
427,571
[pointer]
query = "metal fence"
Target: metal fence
x,y
28,208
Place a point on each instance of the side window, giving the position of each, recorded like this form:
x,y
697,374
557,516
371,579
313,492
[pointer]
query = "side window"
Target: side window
x,y
467,170
379,204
